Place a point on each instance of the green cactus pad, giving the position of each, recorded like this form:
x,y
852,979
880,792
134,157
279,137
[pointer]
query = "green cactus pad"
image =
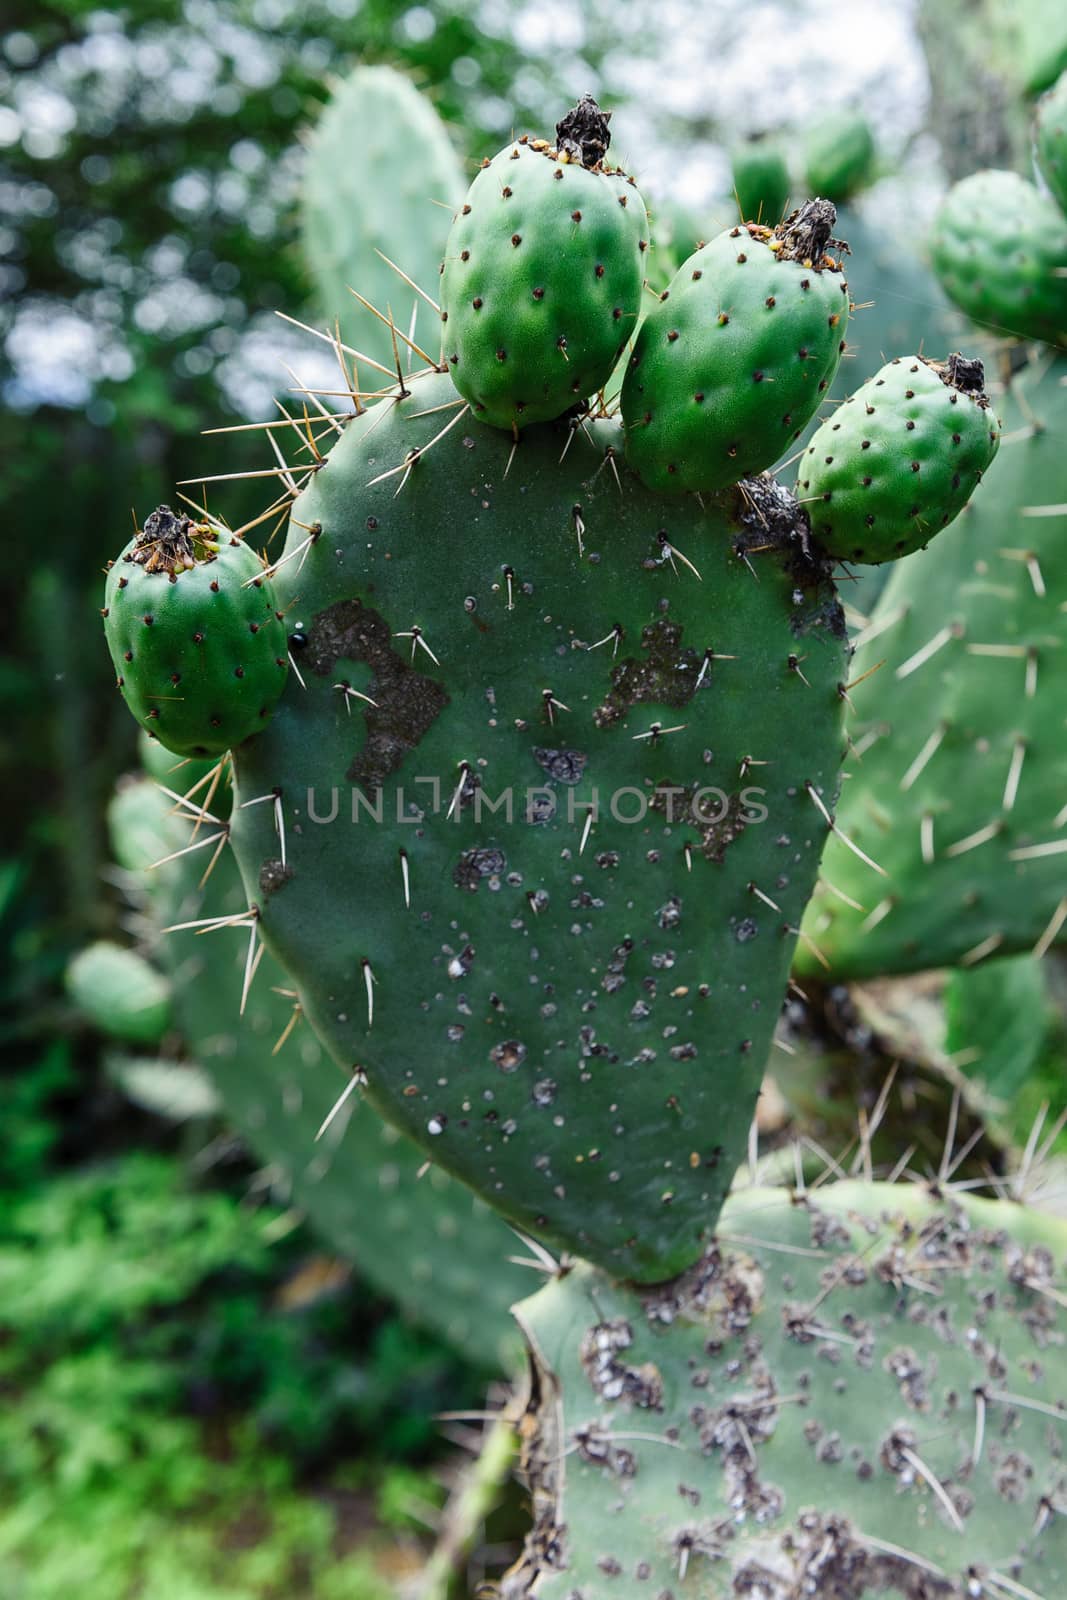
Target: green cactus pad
x,y
377,161
761,181
839,156
899,459
198,647
417,1236
569,1011
858,1394
1041,42
999,247
738,354
1050,140
959,786
120,992
541,281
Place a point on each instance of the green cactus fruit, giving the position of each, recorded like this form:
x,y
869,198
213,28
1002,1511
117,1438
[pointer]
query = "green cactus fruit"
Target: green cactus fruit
x,y
999,247
1050,140
738,354
377,160
562,979
120,992
198,647
899,459
541,281
422,1239
958,792
860,1393
761,181
839,156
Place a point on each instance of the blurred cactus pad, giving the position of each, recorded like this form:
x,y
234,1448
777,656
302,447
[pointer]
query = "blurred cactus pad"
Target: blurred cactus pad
x,y
420,1238
380,174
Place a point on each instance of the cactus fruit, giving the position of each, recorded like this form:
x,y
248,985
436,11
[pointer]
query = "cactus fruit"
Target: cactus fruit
x,y
1050,140
120,992
761,181
550,997
190,621
860,1393
738,354
423,1241
377,160
999,247
959,793
839,156
541,281
899,459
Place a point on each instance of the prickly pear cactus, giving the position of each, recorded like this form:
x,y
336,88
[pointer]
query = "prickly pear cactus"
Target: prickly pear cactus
x,y
541,281
196,641
858,1393
999,247
899,459
378,170
738,354
1050,140
421,1239
529,892
761,181
839,156
958,792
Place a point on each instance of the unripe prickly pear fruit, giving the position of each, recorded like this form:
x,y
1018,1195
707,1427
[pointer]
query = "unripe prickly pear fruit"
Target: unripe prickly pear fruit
x,y
198,647
1050,140
999,247
736,357
899,459
839,155
761,181
541,281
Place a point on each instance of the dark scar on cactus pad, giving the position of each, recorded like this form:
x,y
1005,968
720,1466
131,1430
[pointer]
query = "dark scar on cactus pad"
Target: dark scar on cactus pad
x,y
667,676
773,519
273,875
406,703
679,803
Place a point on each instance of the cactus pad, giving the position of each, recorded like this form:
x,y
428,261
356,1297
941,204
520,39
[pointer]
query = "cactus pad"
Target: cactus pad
x,y
190,621
959,792
541,281
120,992
861,1394
1050,140
899,459
999,247
377,160
738,354
561,978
